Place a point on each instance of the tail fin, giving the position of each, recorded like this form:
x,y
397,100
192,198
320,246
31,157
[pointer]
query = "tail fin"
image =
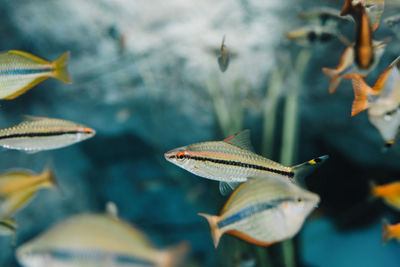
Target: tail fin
x,y
216,233
386,232
50,177
361,89
372,191
304,169
333,76
174,255
347,8
60,65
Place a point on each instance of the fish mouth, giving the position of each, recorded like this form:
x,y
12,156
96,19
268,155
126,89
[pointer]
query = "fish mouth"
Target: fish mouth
x,y
170,155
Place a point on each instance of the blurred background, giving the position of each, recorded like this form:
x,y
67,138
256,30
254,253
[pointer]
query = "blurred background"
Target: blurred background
x,y
146,77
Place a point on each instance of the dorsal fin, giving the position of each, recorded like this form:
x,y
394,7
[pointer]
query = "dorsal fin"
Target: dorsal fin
x,y
112,209
31,118
241,139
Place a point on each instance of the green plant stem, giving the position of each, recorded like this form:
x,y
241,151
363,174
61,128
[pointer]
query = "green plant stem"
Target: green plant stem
x,y
290,131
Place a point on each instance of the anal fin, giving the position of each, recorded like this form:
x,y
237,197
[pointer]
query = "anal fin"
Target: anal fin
x,y
226,188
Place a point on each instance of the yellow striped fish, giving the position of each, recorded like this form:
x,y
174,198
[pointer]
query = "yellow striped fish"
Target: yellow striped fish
x,y
96,240
17,189
20,71
40,133
263,211
232,161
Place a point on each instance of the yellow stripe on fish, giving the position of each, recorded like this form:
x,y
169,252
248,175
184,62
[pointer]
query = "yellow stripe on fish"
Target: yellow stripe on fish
x,y
20,71
263,211
232,161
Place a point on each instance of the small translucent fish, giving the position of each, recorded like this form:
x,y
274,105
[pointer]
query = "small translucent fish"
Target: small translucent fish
x,y
382,101
263,211
232,161
393,22
223,59
20,71
390,193
96,240
324,16
40,133
347,67
374,10
312,34
18,187
390,231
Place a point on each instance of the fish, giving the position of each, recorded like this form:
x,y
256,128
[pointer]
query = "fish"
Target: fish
x,y
263,211
382,101
20,71
8,226
393,22
96,240
312,34
390,193
390,231
36,134
347,66
17,189
233,160
324,16
223,58
374,10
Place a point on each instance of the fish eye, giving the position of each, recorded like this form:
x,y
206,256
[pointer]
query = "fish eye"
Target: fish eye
x,y
299,200
180,155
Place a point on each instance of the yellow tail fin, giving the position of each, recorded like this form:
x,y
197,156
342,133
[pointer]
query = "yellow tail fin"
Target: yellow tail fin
x,y
333,76
361,89
216,233
386,232
50,178
60,65
175,255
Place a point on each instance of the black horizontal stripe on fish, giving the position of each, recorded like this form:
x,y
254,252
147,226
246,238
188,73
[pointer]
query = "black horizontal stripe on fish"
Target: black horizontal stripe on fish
x,y
250,210
7,225
73,255
24,71
240,164
39,134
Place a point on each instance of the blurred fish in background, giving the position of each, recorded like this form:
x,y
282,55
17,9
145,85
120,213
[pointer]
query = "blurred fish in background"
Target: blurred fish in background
x,y
96,240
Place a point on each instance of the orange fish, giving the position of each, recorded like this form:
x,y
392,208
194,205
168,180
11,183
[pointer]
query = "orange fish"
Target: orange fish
x,y
390,231
374,10
347,66
390,193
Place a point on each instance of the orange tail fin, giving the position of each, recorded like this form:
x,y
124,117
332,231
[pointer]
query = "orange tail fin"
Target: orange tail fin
x,y
175,255
361,89
60,65
373,28
216,233
334,78
386,232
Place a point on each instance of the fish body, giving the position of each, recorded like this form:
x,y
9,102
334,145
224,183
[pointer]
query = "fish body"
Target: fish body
x,y
40,133
263,211
95,240
347,66
20,71
390,231
312,34
223,59
324,16
18,188
374,10
232,161
390,193
382,101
